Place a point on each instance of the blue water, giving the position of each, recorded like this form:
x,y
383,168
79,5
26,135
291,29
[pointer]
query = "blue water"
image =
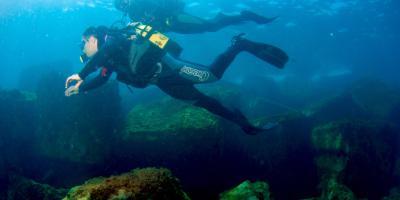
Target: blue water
x,y
323,38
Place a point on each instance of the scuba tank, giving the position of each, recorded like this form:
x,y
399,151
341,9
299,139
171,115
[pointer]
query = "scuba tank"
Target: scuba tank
x,y
158,39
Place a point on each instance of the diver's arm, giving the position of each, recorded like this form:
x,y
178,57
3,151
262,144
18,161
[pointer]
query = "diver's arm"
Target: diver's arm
x,y
81,86
96,82
90,67
99,59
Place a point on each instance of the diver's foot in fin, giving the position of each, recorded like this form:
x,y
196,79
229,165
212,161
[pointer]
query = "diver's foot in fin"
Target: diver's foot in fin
x,y
270,125
248,15
220,16
268,53
252,130
248,128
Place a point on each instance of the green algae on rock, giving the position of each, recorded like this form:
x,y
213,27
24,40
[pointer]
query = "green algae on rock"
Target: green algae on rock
x,y
336,191
344,148
23,189
139,184
330,137
247,190
168,116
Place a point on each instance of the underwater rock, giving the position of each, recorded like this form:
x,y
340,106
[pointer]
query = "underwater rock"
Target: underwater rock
x,y
17,111
168,117
80,128
175,117
247,190
171,132
23,189
365,100
185,137
329,137
17,124
376,97
331,159
340,107
393,195
336,191
328,140
345,148
30,75
140,184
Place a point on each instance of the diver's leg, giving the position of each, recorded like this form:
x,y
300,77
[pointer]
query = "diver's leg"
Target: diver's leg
x,y
221,20
196,73
186,23
191,73
268,53
191,94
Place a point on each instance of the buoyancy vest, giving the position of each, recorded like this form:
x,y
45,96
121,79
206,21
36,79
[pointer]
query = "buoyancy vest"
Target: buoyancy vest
x,y
145,53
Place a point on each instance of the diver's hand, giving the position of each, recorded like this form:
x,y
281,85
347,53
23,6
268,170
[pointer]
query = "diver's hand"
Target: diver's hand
x,y
133,24
72,91
74,77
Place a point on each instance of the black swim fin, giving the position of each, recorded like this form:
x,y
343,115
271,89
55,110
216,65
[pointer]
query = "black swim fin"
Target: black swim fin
x,y
253,130
251,16
268,53
250,129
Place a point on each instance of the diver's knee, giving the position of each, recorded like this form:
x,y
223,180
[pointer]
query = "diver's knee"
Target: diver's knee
x,y
197,75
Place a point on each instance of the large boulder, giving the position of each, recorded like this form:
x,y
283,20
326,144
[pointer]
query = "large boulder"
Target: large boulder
x,y
167,116
248,190
17,124
204,147
331,159
139,184
17,116
358,154
30,75
335,191
376,97
365,99
394,194
332,150
79,128
21,188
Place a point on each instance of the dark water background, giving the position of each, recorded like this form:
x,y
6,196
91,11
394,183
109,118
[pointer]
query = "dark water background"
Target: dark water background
x,y
331,44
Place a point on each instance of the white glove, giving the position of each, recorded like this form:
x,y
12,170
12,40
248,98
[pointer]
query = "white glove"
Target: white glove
x,y
133,24
72,78
73,90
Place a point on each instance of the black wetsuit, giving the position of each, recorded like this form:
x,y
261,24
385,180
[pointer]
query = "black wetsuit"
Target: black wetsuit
x,y
174,77
169,15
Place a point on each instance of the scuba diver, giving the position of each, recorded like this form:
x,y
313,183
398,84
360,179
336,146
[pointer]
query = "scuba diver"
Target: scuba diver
x,y
141,61
169,15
